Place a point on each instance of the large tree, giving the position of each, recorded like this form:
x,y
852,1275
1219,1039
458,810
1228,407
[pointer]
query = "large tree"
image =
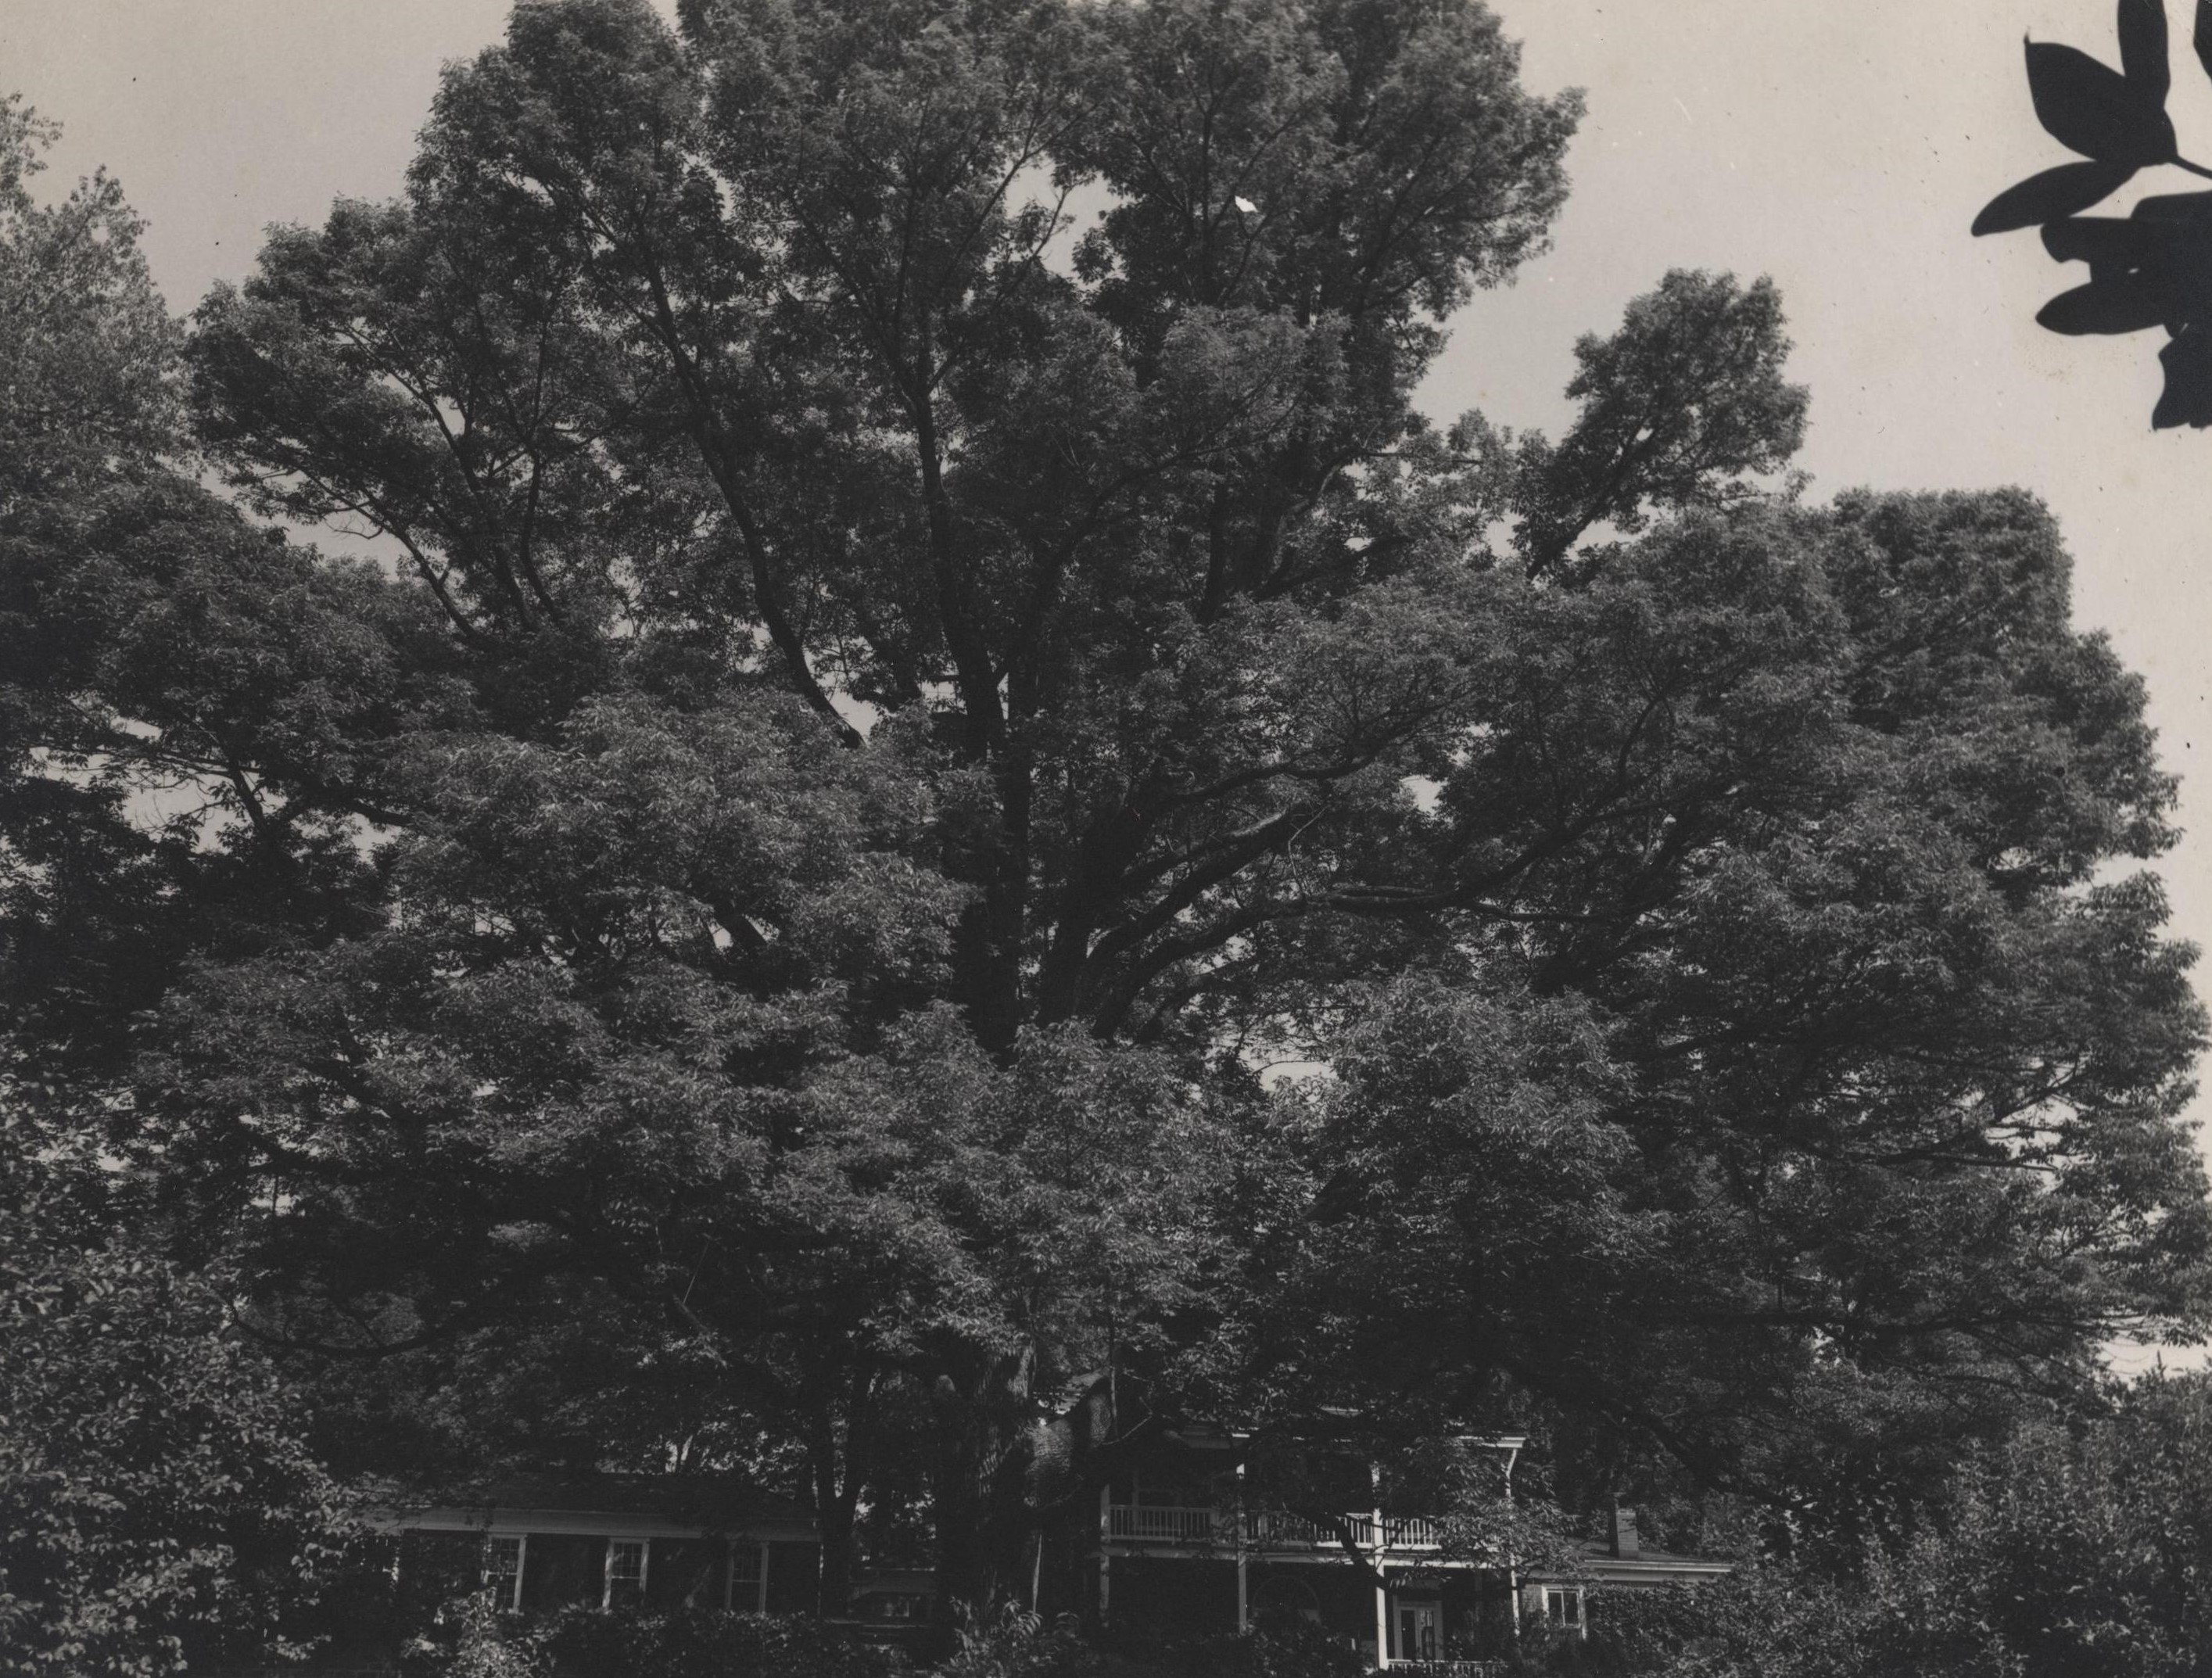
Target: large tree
x,y
192,710
926,638
1818,1089
163,663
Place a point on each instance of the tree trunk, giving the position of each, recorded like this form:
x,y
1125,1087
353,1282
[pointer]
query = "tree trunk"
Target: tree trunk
x,y
984,1520
834,1508
839,1454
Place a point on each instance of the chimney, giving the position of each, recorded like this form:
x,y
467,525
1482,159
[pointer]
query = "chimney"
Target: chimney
x,y
1624,1533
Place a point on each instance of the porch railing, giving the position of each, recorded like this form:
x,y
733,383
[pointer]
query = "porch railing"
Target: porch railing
x,y
1262,1530
1162,1524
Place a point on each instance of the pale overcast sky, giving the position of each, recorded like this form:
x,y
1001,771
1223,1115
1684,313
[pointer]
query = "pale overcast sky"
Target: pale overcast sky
x,y
1842,146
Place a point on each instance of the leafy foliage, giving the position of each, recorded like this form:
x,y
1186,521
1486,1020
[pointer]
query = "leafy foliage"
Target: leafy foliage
x,y
1632,1157
1278,1648
2059,1555
155,1496
1637,444
2154,268
191,709
86,344
591,1643
1018,1644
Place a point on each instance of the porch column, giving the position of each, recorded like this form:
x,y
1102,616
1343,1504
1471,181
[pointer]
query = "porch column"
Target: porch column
x,y
1512,1567
1243,1595
1105,1556
1381,1593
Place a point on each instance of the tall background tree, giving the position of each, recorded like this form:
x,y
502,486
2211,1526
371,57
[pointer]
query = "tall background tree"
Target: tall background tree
x,y
157,1496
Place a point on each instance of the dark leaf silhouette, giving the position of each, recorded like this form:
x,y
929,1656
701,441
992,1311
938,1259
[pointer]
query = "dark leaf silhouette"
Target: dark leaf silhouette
x,y
2099,240
2061,191
2162,251
2177,208
2142,47
2091,108
2201,38
2187,398
2127,305
2177,248
2151,268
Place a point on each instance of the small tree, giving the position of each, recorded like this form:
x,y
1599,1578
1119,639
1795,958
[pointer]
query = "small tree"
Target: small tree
x,y
156,1495
2063,1552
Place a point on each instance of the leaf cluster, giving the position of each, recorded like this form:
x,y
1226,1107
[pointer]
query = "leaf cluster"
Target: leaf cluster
x,y
2152,268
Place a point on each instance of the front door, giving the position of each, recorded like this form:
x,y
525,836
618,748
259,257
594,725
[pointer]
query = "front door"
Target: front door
x,y
1417,1631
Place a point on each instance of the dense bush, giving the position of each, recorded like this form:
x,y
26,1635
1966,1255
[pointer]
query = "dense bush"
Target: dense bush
x,y
1019,1644
2082,1552
156,1500
471,1641
583,1643
1646,1631
1279,1648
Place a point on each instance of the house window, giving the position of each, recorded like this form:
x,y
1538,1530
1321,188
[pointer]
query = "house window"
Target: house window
x,y
748,1578
503,1571
1563,1608
625,1573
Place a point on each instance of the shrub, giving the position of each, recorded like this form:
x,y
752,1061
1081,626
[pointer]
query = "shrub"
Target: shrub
x,y
471,1641
1284,1648
1020,1644
698,1642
